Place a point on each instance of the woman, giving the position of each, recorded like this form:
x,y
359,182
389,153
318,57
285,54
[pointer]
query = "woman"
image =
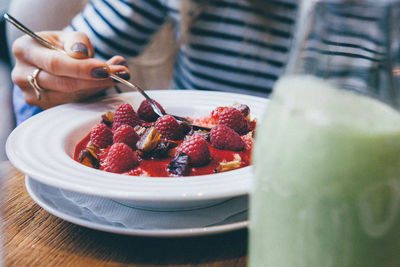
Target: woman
x,y
229,45
238,46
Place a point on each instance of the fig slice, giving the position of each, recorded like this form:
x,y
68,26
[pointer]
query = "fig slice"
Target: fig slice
x,y
140,130
163,147
89,156
108,118
179,165
148,140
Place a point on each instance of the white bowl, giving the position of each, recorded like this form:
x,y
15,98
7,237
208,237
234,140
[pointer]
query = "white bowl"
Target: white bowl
x,y
43,146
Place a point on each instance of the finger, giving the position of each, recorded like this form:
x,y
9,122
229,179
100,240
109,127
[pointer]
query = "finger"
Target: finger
x,y
117,60
19,75
60,64
53,82
68,84
119,66
53,98
77,45
62,83
120,71
72,91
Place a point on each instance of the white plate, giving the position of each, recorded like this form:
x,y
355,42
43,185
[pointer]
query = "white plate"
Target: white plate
x,y
43,146
109,216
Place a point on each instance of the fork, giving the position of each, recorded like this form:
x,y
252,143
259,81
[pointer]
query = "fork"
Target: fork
x,y
49,45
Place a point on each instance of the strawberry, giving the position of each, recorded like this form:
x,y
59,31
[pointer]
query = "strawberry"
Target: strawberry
x,y
169,127
101,136
234,119
225,138
126,134
196,147
120,158
146,112
125,114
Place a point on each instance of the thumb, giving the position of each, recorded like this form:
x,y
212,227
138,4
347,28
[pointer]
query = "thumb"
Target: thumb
x,y
77,45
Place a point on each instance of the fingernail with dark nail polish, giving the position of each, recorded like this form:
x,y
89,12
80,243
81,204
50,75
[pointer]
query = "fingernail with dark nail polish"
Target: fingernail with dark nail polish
x,y
80,48
99,72
121,62
123,74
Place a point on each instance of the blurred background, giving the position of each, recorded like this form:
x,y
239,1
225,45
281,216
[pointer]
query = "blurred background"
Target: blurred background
x,y
7,119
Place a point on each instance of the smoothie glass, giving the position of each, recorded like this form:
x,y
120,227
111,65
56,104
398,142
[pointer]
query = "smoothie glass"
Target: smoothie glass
x,y
327,153
2,173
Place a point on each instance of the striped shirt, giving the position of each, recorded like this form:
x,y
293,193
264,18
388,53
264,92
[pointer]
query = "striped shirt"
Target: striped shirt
x,y
234,46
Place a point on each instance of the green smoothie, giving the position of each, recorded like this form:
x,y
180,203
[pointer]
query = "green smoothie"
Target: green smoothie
x,y
327,187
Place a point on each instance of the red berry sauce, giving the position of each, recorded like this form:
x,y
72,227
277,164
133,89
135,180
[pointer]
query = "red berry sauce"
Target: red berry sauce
x,y
156,167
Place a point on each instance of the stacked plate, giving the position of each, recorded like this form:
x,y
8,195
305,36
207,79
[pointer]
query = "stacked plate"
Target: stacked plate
x,y
43,147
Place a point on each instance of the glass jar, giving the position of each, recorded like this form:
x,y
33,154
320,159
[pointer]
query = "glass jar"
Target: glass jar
x,y
327,152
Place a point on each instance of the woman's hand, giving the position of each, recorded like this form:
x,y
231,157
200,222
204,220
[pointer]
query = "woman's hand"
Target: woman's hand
x,y
64,78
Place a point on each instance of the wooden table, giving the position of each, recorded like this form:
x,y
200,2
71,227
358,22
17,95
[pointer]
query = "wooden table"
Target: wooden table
x,y
33,237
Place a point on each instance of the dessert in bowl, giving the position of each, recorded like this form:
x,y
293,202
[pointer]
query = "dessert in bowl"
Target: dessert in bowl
x,y
43,147
140,143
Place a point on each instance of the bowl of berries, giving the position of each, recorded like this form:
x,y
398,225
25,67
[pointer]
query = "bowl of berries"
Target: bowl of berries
x,y
117,147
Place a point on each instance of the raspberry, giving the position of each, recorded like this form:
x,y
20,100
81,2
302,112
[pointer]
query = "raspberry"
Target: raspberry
x,y
126,134
120,158
215,113
125,114
234,119
252,125
210,120
101,136
146,112
225,138
196,147
169,127
248,141
244,109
